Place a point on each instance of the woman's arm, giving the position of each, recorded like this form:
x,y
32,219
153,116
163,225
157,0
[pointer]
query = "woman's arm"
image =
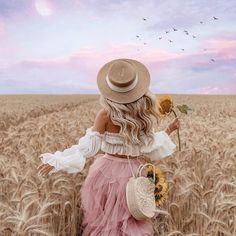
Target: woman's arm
x,y
172,126
163,145
167,130
72,160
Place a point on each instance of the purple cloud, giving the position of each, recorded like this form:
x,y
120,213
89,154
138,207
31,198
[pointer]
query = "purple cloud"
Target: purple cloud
x,y
58,46
11,7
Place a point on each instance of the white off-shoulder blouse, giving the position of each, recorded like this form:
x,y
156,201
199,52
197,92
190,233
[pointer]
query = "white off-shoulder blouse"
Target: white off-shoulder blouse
x,y
72,160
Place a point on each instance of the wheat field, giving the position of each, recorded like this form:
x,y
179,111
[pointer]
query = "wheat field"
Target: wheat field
x,y
201,177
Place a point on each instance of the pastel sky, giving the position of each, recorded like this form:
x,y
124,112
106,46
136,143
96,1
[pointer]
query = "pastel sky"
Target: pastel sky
x,y
58,46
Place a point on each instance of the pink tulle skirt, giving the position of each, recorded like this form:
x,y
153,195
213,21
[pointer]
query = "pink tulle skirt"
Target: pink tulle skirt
x,y
103,199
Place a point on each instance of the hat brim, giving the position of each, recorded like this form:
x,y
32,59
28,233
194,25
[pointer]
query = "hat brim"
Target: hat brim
x,y
124,97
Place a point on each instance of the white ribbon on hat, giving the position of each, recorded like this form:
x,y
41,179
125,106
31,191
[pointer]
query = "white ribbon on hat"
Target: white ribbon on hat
x,y
122,89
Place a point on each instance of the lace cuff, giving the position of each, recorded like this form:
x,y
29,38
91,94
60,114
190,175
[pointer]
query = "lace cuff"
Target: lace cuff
x,y
70,160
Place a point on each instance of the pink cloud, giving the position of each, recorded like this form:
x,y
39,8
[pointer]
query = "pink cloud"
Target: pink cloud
x,y
222,50
91,58
221,43
224,89
226,48
2,28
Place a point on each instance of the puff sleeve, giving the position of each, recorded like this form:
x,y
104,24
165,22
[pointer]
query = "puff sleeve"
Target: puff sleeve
x,y
73,159
162,147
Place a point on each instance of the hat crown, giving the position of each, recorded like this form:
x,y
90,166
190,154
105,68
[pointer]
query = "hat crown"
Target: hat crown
x,y
122,73
123,80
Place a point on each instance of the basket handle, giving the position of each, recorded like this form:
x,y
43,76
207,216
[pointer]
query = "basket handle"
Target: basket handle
x,y
140,168
131,167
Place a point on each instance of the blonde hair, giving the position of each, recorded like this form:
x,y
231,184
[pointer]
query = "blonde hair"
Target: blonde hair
x,y
134,117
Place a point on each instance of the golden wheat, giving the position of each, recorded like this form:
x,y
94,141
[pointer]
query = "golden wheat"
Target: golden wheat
x,y
201,178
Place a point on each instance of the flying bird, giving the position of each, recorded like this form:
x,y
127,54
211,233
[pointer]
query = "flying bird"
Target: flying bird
x,y
160,38
213,60
201,22
137,36
175,29
170,41
144,43
186,32
182,49
194,36
215,18
167,32
144,19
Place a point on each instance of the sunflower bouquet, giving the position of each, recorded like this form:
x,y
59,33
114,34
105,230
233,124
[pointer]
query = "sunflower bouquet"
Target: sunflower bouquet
x,y
161,188
166,106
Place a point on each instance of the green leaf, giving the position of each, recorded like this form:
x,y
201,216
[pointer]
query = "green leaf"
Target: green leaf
x,y
186,107
183,108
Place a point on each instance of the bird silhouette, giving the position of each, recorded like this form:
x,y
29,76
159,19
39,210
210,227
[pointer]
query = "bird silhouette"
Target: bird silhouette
x,y
170,41
182,49
186,32
144,43
194,36
175,29
144,19
212,60
160,38
215,18
201,22
137,36
167,32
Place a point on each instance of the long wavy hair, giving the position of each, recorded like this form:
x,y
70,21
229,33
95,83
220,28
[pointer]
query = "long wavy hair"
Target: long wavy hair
x,y
134,118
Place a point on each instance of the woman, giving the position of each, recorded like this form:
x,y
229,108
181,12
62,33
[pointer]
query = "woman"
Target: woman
x,y
124,131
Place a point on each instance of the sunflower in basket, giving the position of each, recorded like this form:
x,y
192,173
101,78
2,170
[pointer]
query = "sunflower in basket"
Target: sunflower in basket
x,y
161,188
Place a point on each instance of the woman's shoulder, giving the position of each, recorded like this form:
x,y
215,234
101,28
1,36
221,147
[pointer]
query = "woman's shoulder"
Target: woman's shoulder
x,y
100,121
103,113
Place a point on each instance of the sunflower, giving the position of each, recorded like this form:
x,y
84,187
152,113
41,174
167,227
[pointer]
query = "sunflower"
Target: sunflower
x,y
161,188
164,105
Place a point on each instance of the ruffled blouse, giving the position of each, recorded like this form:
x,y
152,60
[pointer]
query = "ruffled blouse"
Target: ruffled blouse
x,y
72,160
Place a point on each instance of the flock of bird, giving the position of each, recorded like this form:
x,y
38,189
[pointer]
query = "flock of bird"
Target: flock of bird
x,y
174,29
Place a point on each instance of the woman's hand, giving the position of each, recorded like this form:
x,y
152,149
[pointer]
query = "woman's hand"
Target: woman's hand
x,y
174,125
44,169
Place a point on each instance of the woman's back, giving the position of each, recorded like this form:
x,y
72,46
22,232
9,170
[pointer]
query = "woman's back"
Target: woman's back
x,y
111,127
124,128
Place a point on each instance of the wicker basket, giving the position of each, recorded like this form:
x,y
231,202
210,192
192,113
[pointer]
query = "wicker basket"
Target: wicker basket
x,y
140,194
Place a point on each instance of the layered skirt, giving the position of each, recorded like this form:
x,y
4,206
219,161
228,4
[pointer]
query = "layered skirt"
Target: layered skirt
x,y
103,199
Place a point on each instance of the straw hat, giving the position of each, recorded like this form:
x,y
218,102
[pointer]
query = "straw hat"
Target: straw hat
x,y
123,80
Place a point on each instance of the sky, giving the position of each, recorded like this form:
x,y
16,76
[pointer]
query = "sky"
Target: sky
x,y
58,46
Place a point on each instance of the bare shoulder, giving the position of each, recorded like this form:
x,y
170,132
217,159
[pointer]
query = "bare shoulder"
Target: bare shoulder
x,y
103,112
100,121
